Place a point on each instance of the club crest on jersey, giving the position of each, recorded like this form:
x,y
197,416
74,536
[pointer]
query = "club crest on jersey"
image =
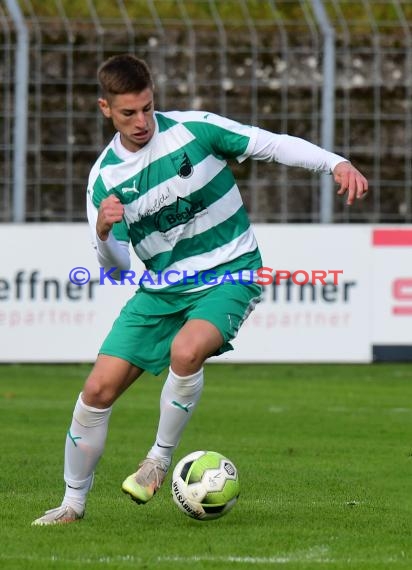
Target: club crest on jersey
x,y
183,165
181,212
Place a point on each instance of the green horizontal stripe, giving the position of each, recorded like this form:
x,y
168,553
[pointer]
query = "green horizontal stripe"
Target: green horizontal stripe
x,y
164,123
220,140
99,191
110,159
120,229
160,170
210,193
215,237
250,261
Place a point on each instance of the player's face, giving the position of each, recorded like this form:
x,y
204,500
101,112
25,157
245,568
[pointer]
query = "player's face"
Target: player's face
x,y
132,116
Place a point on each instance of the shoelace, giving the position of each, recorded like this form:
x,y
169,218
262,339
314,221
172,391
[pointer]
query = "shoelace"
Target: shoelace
x,y
56,509
155,466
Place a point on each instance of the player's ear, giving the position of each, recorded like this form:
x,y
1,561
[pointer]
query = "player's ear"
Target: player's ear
x,y
104,107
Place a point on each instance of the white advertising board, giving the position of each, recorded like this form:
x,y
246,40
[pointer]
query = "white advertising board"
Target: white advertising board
x,y
314,322
392,293
43,316
358,301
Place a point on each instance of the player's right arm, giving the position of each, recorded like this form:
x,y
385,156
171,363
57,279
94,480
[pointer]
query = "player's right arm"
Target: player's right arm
x,y
109,233
111,210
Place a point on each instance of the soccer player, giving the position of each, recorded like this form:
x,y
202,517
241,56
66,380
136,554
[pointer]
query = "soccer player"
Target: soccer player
x,y
163,185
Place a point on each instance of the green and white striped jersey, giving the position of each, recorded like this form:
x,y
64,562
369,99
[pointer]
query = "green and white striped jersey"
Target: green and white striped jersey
x,y
183,212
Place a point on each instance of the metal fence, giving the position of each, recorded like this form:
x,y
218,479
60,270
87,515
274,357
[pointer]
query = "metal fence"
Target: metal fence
x,y
260,62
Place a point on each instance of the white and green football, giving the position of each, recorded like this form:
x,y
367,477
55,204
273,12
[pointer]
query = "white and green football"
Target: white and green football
x,y
205,485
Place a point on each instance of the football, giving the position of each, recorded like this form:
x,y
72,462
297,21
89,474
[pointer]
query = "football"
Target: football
x,y
205,485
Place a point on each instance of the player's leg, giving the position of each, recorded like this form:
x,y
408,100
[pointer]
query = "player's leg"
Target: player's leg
x,y
181,392
213,318
86,436
180,395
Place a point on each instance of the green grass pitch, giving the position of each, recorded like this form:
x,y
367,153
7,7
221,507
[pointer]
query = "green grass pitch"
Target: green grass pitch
x,y
324,454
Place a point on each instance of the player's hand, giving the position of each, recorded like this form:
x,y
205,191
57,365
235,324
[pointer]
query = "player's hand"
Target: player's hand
x,y
351,181
111,211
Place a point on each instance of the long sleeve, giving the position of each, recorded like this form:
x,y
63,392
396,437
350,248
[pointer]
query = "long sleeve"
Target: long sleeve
x,y
113,253
293,151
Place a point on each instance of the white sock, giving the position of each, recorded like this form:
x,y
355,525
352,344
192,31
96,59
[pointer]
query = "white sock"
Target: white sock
x,y
84,445
178,400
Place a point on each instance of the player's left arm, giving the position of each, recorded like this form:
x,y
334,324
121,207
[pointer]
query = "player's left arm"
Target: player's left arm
x,y
295,151
350,181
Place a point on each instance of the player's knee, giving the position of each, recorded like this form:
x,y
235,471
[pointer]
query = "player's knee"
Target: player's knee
x,y
184,357
98,394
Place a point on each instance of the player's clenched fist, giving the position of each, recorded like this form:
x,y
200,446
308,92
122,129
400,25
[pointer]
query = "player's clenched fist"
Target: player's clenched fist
x,y
111,211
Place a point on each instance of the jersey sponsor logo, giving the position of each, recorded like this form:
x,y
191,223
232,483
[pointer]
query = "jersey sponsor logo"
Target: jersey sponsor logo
x,y
183,166
181,212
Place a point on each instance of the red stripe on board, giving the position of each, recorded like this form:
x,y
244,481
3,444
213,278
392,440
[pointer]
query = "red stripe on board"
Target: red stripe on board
x,y
402,310
392,237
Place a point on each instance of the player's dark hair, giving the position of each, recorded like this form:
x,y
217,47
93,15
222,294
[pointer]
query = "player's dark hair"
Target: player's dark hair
x,y
122,74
